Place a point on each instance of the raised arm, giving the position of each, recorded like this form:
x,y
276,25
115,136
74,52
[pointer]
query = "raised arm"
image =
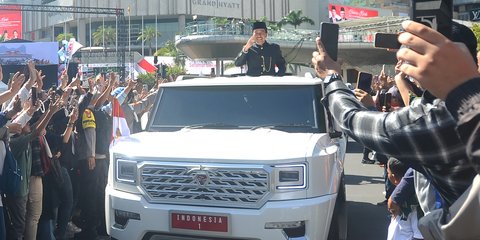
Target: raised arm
x,y
106,92
71,123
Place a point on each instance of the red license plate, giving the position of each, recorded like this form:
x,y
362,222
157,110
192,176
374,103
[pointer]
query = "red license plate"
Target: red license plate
x,y
199,222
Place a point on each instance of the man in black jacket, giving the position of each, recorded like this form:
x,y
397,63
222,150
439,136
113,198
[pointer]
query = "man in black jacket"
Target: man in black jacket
x,y
260,56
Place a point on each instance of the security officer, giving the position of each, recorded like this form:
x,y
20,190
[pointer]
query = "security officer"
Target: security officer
x,y
260,56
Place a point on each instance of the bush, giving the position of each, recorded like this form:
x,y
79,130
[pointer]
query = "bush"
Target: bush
x,y
147,78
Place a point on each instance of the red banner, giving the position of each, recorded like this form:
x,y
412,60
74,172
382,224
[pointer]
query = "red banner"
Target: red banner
x,y
10,22
338,13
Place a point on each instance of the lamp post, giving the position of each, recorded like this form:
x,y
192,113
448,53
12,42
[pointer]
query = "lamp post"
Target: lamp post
x,y
129,36
195,24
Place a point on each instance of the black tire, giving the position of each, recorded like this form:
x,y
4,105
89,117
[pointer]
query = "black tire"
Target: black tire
x,y
338,226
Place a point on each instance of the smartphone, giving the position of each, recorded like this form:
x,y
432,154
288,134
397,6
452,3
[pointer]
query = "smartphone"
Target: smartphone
x,y
145,87
435,14
388,101
34,96
329,38
380,101
364,81
386,40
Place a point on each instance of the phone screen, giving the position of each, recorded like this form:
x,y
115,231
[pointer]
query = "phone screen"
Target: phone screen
x,y
381,101
388,101
329,38
34,96
386,40
435,14
364,81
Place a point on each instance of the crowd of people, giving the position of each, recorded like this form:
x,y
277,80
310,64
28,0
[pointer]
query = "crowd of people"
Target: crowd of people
x,y
426,137
60,139
431,142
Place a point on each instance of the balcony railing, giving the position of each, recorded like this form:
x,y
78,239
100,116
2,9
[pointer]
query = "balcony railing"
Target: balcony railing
x,y
209,28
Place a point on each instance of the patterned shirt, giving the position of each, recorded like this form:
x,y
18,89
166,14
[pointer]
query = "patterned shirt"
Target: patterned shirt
x,y
423,135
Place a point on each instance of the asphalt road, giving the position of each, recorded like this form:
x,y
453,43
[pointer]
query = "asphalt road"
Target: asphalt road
x,y
364,187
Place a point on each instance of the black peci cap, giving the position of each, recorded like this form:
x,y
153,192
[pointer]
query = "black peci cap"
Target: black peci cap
x,y
259,25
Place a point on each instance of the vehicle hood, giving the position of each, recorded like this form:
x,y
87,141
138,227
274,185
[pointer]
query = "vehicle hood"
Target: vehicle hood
x,y
260,145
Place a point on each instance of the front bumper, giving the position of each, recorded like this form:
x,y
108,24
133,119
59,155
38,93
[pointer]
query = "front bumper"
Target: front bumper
x,y
244,223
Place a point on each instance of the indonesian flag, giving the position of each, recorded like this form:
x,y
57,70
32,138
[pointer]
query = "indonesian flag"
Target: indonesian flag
x,y
120,126
143,66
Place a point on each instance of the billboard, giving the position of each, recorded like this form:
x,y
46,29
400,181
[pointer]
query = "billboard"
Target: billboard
x,y
10,22
42,53
338,13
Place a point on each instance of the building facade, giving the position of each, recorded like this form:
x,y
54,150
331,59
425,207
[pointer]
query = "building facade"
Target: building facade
x,y
467,10
169,17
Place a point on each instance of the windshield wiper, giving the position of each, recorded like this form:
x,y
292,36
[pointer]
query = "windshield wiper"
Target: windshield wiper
x,y
275,126
211,125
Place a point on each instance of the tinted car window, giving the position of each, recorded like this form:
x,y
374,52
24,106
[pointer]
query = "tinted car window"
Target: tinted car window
x,y
289,108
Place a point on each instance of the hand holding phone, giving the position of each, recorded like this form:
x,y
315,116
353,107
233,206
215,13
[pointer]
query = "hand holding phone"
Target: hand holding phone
x,y
329,38
34,96
388,101
364,81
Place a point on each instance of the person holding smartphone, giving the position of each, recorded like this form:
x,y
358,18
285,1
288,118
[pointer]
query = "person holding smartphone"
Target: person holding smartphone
x,y
424,134
261,57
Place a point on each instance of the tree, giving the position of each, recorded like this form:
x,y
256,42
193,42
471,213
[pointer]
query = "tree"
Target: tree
x,y
102,32
64,36
147,78
148,34
274,26
175,71
220,21
476,31
169,50
295,18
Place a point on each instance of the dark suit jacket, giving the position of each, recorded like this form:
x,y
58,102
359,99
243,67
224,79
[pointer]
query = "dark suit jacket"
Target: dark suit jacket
x,y
261,60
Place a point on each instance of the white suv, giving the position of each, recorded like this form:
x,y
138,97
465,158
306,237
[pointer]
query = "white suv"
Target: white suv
x,y
231,158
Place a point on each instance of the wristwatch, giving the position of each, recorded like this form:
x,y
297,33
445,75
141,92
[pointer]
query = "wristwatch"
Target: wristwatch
x,y
332,78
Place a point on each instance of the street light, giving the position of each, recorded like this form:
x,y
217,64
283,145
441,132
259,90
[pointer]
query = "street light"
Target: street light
x,y
195,29
129,36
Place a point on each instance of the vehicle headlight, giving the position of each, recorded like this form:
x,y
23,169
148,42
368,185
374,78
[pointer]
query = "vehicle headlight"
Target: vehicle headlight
x,y
126,171
290,176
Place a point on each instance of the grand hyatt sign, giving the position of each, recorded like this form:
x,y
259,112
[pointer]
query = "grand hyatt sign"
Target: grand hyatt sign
x,y
216,3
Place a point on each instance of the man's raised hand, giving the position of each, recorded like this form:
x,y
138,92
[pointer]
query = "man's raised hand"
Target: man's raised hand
x,y
17,81
323,64
437,63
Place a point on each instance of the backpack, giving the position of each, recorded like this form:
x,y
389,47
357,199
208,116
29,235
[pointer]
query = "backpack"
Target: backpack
x,y
11,175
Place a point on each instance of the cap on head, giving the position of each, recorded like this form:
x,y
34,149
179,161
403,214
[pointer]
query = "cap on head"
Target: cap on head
x,y
463,34
259,25
117,91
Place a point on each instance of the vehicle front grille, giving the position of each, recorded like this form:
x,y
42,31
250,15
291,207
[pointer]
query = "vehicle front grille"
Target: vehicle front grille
x,y
207,185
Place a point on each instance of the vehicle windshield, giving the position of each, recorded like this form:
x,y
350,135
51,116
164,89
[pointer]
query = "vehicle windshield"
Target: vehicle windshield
x,y
287,108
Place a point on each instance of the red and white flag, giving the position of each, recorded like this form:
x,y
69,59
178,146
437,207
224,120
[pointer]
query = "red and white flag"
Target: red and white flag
x,y
120,126
143,66
72,47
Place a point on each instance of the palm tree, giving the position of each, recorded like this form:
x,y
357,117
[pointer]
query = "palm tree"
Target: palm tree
x,y
104,36
295,18
168,50
148,34
274,26
64,36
